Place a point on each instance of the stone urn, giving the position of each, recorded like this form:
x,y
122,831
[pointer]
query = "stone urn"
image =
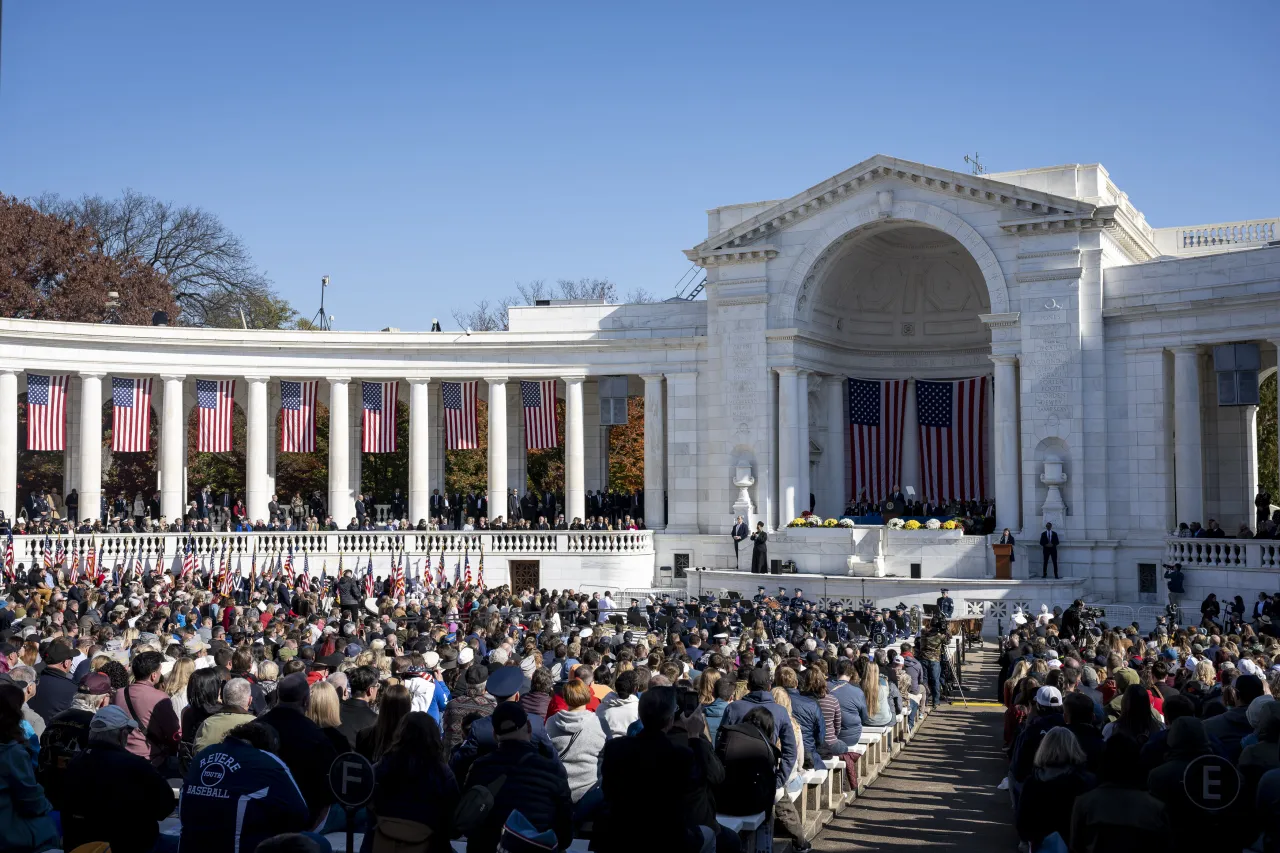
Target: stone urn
x,y
744,480
1054,477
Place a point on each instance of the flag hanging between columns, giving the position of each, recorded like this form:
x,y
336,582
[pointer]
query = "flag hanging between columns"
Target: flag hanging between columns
x,y
539,402
952,417
459,415
215,399
298,424
130,415
46,412
378,399
876,411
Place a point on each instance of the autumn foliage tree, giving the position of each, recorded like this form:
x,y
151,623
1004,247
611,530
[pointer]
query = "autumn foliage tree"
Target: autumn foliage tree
x,y
53,269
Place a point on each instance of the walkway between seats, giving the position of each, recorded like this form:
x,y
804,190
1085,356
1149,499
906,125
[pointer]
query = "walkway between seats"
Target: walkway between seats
x,y
940,792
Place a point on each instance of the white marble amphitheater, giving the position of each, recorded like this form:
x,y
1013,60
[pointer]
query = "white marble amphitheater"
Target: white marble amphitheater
x,y
1097,332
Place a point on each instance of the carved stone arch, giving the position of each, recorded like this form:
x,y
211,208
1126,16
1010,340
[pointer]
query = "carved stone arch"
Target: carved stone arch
x,y
797,296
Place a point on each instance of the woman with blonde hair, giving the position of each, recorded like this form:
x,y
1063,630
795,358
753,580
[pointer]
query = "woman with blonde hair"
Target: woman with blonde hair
x,y
175,683
781,697
1059,777
1020,671
875,687
324,710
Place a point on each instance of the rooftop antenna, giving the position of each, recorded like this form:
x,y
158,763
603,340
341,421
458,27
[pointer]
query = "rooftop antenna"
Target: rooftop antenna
x,y
975,167
323,321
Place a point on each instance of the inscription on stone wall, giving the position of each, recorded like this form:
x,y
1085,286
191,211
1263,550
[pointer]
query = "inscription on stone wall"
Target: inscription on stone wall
x,y
1054,358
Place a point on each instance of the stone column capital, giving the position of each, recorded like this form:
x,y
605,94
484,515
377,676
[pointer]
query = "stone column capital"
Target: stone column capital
x,y
576,380
1185,350
338,380
1006,360
92,374
10,371
257,378
496,380
173,377
787,371
651,377
418,380
688,375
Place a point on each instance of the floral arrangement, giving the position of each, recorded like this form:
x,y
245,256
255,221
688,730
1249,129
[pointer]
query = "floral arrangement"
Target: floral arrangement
x,y
831,522
950,524
912,525
933,524
846,522
898,524
806,521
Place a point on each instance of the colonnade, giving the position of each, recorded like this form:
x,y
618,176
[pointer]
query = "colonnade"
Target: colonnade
x,y
424,466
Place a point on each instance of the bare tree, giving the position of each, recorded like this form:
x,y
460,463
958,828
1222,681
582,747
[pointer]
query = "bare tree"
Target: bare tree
x,y
640,296
495,317
588,288
484,317
210,269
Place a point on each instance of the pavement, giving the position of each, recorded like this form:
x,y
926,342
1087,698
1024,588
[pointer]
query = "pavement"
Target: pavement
x,y
940,792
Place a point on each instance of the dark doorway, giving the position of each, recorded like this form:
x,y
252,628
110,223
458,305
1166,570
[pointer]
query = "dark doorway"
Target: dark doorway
x,y
525,574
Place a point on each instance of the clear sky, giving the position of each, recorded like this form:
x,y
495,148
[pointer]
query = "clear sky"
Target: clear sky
x,y
428,154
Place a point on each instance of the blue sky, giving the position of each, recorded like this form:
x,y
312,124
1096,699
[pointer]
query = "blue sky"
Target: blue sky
x,y
426,155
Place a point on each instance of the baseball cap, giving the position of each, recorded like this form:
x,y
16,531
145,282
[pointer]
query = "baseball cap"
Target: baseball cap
x,y
95,683
477,675
111,718
466,656
293,688
431,660
58,653
509,718
1049,697
352,650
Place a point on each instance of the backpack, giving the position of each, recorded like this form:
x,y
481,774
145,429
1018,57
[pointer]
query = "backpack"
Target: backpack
x,y
478,801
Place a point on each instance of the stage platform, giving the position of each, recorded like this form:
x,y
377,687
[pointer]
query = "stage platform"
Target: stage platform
x,y
992,600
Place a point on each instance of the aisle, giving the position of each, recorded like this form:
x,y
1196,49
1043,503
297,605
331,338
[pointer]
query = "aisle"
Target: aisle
x,y
940,793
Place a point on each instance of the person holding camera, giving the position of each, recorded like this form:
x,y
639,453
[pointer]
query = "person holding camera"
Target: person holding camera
x,y
1174,576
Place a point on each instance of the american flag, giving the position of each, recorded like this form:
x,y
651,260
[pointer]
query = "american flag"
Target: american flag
x,y
288,565
876,410
539,401
74,574
137,562
98,571
368,578
60,553
46,412
47,553
480,572
8,558
466,577
378,399
253,567
459,415
298,424
130,415
188,560
397,576
440,571
306,567
952,457
91,562
215,398
225,571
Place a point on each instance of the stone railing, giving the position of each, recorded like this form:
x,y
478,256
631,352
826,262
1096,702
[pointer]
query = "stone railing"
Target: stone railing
x,y
164,548
1223,553
1204,239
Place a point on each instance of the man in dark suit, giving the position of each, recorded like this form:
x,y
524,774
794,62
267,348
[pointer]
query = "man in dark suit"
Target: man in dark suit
x,y
356,714
439,506
739,533
513,506
1049,547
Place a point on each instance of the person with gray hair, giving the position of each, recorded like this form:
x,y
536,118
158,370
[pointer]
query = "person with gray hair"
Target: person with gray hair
x,y
340,683
25,677
237,702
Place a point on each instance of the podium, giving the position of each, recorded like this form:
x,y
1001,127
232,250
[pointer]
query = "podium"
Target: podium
x,y
1004,561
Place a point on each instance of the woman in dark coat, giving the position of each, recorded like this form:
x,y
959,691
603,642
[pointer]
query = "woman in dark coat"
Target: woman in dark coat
x,y
760,552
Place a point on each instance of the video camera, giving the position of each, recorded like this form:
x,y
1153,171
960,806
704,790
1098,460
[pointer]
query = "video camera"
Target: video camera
x,y
1171,566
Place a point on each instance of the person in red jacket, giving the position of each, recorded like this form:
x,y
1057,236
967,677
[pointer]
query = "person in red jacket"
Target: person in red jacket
x,y
586,673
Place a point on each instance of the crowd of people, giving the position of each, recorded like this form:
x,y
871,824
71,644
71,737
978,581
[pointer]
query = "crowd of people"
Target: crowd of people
x,y
1121,740
496,715
43,514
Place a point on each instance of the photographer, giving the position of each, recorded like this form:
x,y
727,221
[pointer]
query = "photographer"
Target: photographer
x,y
1071,620
1173,574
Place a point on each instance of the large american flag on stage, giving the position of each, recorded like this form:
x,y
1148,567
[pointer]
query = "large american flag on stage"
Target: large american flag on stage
x,y
952,418
298,423
46,412
459,415
378,399
215,400
877,408
130,415
539,402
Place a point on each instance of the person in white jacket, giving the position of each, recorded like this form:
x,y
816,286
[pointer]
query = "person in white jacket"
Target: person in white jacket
x,y
618,710
428,694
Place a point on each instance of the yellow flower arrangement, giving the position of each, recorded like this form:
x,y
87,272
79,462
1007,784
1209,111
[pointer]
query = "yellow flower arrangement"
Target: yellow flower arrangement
x,y
949,525
912,525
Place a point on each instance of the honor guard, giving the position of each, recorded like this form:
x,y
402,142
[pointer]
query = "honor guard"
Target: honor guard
x,y
946,607
760,596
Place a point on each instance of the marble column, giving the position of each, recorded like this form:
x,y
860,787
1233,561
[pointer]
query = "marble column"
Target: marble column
x,y
9,442
497,445
804,488
1251,473
1188,461
274,407
682,453
90,487
833,455
174,434
255,452
575,500
340,503
1004,417
911,446
655,479
788,445
419,449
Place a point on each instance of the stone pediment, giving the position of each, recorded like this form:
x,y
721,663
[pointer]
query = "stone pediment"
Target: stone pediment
x,y
1022,203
